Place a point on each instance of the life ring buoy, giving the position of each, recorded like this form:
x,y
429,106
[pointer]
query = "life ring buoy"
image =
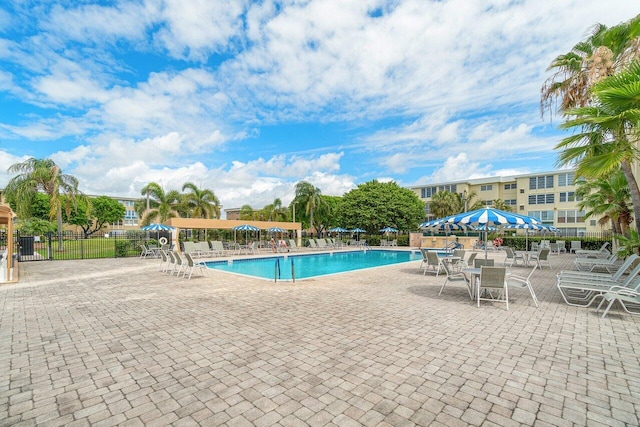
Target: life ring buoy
x,y
163,241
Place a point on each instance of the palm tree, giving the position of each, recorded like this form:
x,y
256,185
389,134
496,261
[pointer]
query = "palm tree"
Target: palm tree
x,y
609,199
247,212
161,205
445,203
604,53
276,211
35,175
202,203
501,205
308,196
608,132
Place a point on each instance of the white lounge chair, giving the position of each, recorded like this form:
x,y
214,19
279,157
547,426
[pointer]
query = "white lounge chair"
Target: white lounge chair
x,y
292,245
573,274
628,298
582,293
602,252
591,264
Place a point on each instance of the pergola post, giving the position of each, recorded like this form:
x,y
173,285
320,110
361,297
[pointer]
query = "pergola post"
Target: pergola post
x,y
7,273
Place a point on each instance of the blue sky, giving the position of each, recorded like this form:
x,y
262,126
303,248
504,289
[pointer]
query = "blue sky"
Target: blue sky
x,y
248,98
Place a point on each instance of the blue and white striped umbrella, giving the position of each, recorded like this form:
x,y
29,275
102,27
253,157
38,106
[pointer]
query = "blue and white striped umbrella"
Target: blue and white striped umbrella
x,y
389,230
338,230
358,230
157,227
487,217
534,227
276,230
245,227
438,225
531,227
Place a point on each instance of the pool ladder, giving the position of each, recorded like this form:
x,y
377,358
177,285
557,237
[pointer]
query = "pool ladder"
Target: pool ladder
x,y
276,271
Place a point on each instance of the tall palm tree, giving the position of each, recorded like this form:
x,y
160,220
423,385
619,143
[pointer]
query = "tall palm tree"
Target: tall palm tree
x,y
501,205
445,203
604,53
308,196
247,212
161,205
608,132
35,175
609,199
202,203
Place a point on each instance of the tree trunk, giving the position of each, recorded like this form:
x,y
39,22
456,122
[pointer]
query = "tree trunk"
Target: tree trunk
x,y
60,235
634,191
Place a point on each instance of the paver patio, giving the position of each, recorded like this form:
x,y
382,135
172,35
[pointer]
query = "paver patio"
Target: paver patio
x,y
116,342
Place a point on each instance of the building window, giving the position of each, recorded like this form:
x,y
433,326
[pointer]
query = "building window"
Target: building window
x,y
571,216
541,199
487,187
565,179
569,196
488,203
428,192
510,186
511,202
538,182
545,216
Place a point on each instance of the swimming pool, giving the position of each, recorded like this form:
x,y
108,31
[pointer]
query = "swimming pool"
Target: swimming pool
x,y
312,265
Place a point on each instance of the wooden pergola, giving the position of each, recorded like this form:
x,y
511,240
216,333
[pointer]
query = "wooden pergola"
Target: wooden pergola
x,y
7,271
224,224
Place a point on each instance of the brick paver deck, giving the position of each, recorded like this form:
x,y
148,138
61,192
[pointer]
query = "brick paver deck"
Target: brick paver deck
x,y
116,342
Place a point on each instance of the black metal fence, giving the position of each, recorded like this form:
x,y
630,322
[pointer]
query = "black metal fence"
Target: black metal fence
x,y
70,246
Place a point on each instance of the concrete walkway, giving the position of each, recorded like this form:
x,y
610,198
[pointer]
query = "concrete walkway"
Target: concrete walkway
x,y
116,342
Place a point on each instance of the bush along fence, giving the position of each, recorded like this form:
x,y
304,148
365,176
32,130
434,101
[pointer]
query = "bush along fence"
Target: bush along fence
x,y
77,246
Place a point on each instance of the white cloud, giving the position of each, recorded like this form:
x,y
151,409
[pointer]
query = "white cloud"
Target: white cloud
x,y
200,27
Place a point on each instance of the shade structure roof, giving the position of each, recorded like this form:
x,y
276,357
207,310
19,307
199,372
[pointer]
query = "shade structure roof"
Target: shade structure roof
x,y
157,227
358,230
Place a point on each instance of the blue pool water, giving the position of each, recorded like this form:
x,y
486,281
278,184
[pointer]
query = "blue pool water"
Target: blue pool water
x,y
312,265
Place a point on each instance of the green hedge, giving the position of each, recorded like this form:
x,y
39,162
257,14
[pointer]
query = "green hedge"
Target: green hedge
x,y
518,242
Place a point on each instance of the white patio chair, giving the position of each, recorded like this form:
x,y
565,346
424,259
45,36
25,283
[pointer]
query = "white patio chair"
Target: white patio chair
x,y
541,256
454,276
191,265
576,245
434,263
492,279
514,280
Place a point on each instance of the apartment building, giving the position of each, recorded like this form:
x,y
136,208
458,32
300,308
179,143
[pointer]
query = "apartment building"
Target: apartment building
x,y
130,221
549,196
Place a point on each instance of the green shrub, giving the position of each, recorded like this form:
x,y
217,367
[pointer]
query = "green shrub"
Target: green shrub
x,y
122,247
